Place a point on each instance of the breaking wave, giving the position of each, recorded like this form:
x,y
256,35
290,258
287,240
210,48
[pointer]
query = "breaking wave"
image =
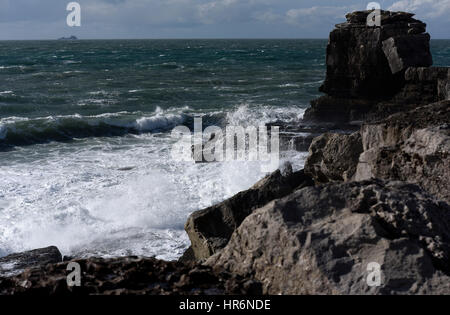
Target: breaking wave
x,y
17,131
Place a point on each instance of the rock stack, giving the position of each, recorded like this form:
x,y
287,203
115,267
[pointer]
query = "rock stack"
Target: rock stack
x,y
372,70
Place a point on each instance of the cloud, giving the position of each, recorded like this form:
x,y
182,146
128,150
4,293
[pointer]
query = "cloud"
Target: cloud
x,y
316,13
198,18
426,8
267,16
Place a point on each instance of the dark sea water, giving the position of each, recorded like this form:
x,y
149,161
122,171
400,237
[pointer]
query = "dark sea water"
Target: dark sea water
x,y
132,79
75,114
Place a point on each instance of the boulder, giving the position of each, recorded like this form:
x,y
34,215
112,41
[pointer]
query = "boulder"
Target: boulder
x,y
16,263
407,51
334,157
327,240
210,229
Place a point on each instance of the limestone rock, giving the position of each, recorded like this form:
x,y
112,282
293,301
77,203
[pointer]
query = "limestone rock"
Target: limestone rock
x,y
334,157
321,240
357,66
366,69
412,147
210,229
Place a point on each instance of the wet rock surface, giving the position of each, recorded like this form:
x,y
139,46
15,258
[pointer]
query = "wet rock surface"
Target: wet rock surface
x,y
16,263
129,276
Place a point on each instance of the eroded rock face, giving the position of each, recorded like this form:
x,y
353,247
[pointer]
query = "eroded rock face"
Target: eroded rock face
x,y
16,263
357,66
423,86
210,229
338,109
320,240
366,69
412,147
407,51
334,157
129,276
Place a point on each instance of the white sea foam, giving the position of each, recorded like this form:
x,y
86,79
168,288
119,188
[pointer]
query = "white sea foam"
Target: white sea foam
x,y
159,122
116,196
75,197
289,85
246,115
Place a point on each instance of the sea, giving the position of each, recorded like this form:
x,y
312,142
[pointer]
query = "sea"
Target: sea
x,y
86,134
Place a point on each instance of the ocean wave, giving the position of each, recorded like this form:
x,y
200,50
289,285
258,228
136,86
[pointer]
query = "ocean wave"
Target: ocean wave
x,y
247,115
17,131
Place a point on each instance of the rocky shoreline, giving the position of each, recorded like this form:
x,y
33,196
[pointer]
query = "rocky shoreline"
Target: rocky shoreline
x,y
378,193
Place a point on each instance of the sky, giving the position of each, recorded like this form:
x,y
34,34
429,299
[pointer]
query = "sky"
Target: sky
x,y
109,19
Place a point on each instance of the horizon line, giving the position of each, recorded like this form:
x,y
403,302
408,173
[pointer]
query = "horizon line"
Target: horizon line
x,y
171,38
183,38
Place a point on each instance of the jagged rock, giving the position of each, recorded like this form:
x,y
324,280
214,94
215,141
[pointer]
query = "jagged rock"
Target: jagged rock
x,y
366,69
423,86
210,229
356,64
296,142
403,52
338,110
424,74
321,240
129,276
444,87
16,263
412,146
334,157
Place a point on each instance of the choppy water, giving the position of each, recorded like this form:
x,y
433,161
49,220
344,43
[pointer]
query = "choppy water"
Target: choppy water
x,y
85,134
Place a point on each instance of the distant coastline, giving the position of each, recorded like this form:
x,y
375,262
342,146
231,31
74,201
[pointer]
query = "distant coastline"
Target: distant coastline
x,y
68,38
